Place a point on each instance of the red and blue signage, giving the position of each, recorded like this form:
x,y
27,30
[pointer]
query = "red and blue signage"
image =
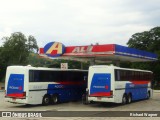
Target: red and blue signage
x,y
54,49
100,52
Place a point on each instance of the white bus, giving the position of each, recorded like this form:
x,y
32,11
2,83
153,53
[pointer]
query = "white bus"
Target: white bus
x,y
34,85
118,85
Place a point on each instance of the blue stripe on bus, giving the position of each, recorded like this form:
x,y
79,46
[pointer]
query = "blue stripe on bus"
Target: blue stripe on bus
x,y
66,92
138,91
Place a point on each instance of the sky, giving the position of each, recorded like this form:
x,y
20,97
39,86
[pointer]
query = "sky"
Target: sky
x,y
78,22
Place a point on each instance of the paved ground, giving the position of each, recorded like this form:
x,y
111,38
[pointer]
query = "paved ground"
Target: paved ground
x,y
145,105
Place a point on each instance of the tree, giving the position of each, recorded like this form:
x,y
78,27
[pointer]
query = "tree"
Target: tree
x,y
32,44
149,41
2,66
140,41
15,50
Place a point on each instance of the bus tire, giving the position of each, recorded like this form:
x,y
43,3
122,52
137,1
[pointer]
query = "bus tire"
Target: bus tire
x,y
124,99
148,95
55,99
84,99
129,98
46,100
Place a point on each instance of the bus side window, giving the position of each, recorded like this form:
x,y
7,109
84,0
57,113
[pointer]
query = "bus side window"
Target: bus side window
x,y
36,76
85,78
117,75
33,76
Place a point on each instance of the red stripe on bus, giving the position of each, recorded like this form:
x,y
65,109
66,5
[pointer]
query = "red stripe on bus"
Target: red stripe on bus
x,y
137,82
99,94
15,95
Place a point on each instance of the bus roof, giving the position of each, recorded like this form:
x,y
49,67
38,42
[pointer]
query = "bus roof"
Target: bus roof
x,y
44,68
115,67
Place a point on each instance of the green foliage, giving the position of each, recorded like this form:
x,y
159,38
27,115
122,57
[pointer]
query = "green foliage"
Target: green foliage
x,y
15,50
32,44
149,41
140,40
37,61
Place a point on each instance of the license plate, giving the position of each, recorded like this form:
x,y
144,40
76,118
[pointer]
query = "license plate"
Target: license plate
x,y
98,98
14,99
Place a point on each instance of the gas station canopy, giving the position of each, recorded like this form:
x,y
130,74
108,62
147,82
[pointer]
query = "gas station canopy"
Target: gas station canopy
x,y
98,53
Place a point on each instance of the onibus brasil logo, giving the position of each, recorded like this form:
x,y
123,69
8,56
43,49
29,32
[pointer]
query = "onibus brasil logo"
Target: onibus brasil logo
x,y
54,49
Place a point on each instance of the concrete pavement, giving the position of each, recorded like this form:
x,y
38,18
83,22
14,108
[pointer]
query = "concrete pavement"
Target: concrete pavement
x,y
2,85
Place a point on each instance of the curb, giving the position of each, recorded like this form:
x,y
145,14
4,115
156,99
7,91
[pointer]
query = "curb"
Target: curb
x,y
156,91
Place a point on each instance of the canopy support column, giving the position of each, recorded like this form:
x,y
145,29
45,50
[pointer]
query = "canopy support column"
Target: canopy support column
x,y
117,63
92,61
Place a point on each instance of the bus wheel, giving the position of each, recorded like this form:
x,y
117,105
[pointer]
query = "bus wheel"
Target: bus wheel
x,y
84,99
129,100
46,100
55,99
124,99
148,95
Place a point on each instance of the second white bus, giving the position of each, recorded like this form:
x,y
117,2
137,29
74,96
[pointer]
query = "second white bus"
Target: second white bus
x,y
118,85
